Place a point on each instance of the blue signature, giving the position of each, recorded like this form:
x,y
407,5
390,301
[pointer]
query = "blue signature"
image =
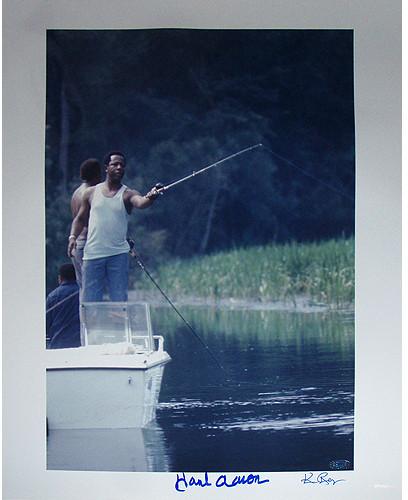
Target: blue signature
x,y
321,478
183,482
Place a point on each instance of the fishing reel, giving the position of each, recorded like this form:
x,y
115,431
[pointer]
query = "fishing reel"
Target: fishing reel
x,y
131,244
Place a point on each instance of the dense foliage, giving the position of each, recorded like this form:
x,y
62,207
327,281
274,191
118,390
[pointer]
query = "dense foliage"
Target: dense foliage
x,y
176,100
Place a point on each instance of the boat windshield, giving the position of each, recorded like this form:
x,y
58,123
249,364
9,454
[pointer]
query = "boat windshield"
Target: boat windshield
x,y
114,322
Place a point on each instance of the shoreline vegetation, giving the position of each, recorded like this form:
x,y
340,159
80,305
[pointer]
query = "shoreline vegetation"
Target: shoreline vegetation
x,y
296,274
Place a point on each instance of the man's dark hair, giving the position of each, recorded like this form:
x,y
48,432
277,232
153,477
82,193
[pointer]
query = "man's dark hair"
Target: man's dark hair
x,y
90,169
107,158
67,272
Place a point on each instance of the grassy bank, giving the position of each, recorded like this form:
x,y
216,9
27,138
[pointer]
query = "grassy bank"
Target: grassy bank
x,y
322,272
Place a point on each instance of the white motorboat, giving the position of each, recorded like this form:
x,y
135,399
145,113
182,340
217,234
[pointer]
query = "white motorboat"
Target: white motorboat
x,y
113,381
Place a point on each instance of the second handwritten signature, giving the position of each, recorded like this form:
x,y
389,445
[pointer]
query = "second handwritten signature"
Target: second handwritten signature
x,y
321,478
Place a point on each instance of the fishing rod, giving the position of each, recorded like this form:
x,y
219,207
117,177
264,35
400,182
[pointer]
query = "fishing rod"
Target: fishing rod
x,y
162,189
143,267
61,301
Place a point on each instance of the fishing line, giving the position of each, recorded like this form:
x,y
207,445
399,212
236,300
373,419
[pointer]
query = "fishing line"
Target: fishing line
x,y
143,267
308,174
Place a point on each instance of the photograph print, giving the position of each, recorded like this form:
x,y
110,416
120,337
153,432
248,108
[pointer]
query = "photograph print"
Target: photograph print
x,y
200,217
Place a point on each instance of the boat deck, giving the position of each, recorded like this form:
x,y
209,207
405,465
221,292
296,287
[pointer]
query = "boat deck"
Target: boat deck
x,y
104,356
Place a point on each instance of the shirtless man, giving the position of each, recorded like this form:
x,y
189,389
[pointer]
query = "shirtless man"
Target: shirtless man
x,y
90,172
105,209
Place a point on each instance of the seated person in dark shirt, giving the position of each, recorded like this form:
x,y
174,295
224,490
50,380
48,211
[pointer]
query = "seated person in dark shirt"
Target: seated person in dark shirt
x,y
62,316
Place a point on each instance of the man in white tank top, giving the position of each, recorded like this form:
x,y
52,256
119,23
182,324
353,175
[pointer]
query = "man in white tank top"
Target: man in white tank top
x,y
105,209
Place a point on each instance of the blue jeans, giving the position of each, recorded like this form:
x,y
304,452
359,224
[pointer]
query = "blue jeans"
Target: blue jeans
x,y
111,271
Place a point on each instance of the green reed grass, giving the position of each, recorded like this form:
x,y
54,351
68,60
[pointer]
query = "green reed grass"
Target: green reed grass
x,y
322,272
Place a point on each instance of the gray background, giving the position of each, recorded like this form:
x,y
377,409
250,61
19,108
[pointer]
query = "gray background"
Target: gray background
x,y
378,238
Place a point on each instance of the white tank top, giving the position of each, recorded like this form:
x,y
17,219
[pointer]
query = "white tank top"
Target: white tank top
x,y
107,226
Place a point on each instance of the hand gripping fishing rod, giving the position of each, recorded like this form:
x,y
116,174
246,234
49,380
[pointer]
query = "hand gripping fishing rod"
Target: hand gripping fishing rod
x,y
162,189
143,267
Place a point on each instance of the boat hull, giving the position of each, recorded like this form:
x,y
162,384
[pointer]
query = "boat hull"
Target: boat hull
x,y
103,397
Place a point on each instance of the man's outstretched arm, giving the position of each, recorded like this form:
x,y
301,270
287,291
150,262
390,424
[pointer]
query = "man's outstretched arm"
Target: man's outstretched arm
x,y
136,200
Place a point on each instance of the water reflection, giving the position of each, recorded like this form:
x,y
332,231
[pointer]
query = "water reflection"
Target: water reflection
x,y
139,450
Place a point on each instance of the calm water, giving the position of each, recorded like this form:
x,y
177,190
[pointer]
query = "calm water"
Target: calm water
x,y
286,403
